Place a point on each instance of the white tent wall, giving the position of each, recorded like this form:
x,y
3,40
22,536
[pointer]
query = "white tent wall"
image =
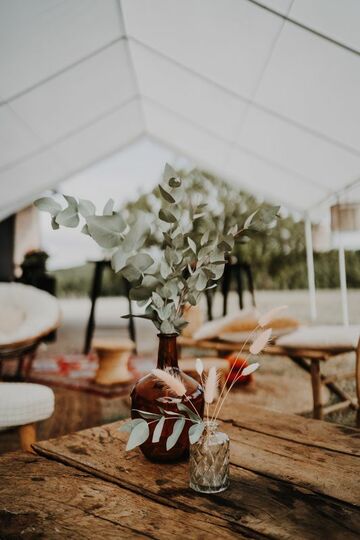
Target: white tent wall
x,y
261,92
264,93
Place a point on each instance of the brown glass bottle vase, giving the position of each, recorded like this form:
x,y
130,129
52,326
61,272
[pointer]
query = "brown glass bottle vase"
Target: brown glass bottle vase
x,y
145,397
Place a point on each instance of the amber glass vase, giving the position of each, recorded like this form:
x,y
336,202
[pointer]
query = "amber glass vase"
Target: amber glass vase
x,y
145,397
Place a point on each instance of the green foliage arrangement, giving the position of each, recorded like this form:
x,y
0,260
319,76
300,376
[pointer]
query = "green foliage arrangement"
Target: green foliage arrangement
x,y
193,249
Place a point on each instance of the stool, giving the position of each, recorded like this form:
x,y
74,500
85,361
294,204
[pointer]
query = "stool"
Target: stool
x,y
22,405
113,357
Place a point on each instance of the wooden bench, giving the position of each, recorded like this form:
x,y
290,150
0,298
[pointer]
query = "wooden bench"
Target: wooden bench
x,y
308,359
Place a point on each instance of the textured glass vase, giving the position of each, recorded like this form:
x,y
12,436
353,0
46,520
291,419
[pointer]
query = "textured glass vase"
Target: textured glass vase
x,y
209,461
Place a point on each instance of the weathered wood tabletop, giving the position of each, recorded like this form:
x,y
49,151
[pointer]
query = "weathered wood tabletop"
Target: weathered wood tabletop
x,y
290,478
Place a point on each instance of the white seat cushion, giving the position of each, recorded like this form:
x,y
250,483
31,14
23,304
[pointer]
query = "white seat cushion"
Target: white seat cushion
x,y
214,328
322,337
24,403
26,314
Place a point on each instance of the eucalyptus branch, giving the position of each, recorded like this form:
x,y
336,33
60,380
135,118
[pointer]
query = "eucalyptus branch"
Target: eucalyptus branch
x,y
156,284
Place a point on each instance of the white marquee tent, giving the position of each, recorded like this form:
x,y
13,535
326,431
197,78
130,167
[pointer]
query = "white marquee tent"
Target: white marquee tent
x,y
263,92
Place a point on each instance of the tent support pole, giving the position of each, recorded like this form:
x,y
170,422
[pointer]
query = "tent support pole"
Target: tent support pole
x,y
310,268
343,285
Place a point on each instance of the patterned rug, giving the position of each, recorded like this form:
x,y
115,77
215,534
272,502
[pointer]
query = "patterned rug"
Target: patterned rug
x,y
77,372
272,388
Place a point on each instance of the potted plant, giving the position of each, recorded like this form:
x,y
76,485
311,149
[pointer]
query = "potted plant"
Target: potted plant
x,y
162,284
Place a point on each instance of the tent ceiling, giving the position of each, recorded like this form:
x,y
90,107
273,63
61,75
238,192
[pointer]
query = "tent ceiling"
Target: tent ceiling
x,y
263,92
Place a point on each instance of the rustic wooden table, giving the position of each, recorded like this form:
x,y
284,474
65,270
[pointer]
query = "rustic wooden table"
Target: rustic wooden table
x,y
291,477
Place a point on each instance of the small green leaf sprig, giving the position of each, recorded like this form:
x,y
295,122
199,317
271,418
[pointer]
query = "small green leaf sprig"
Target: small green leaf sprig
x,y
189,263
139,427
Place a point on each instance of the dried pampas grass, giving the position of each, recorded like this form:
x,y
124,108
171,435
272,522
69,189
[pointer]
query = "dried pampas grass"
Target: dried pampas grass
x,y
173,383
260,342
269,316
249,369
211,386
199,366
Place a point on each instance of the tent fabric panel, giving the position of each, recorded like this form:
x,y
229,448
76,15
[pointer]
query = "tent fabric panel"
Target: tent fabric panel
x,y
17,140
322,94
186,94
41,37
306,154
106,136
78,96
187,139
271,182
215,39
330,18
29,178
280,6
245,170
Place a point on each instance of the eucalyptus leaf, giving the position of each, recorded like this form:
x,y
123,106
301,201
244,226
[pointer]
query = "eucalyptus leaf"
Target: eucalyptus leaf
x,y
167,216
128,426
192,299
192,244
158,430
210,274
47,204
169,290
167,328
134,236
166,195
142,261
140,293
71,201
68,217
148,415
173,438
169,173
165,269
54,225
150,282
132,274
201,281
180,323
109,207
157,300
191,414
138,435
139,316
249,219
86,208
195,432
106,230
217,270
85,230
168,399
264,217
119,259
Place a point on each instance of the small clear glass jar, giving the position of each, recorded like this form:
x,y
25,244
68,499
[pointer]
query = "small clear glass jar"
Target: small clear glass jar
x,y
209,460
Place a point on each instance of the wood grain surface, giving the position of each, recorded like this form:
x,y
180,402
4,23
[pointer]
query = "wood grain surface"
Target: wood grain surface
x,y
285,482
40,498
